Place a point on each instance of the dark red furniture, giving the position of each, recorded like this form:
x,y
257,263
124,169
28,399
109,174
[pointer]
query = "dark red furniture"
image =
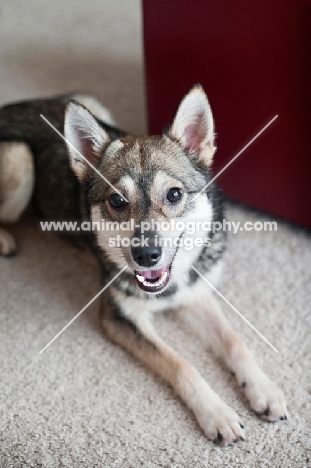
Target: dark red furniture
x,y
254,61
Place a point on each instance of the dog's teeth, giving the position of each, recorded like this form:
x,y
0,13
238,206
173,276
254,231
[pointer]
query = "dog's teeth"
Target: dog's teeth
x,y
157,283
164,275
162,278
140,278
148,284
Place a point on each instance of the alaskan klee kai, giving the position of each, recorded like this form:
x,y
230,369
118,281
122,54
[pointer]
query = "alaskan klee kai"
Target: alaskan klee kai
x,y
146,178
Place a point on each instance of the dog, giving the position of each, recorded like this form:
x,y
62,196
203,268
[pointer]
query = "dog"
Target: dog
x,y
103,173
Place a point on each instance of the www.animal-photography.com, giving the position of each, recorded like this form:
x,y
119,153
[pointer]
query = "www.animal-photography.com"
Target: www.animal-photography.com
x,y
155,215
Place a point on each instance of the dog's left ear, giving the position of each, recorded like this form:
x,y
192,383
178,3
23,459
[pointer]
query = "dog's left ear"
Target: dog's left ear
x,y
86,135
193,125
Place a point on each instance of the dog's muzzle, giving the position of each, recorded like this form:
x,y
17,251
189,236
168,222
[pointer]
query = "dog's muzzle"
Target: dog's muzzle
x,y
147,256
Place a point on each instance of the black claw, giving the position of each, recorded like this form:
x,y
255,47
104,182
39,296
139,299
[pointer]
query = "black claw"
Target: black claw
x,y
218,439
285,417
242,438
266,412
243,384
282,418
234,441
241,425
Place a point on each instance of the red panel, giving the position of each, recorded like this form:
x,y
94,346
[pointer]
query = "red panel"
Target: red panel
x,y
253,59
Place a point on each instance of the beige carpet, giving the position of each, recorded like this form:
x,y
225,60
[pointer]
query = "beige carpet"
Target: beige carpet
x,y
85,402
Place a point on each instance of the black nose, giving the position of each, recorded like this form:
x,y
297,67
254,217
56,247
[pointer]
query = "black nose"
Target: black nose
x,y
146,256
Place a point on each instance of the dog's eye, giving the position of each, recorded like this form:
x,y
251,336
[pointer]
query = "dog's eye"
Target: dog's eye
x,y
117,202
174,195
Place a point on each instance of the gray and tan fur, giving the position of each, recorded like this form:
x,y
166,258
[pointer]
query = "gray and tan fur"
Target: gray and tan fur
x,y
159,176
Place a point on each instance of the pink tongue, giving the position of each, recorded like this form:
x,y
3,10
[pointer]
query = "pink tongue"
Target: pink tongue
x,y
152,274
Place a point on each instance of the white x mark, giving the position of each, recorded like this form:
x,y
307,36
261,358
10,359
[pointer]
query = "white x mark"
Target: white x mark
x,y
235,309
82,310
236,156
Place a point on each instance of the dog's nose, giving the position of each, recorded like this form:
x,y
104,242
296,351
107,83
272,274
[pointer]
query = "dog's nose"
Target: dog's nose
x,y
146,256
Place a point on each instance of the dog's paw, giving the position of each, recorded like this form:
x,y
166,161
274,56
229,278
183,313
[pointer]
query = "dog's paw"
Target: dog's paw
x,y
265,398
221,424
7,244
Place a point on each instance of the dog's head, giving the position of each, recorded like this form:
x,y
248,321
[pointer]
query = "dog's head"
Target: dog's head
x,y
147,195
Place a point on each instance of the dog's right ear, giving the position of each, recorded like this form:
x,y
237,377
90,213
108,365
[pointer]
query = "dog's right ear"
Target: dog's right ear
x,y
85,139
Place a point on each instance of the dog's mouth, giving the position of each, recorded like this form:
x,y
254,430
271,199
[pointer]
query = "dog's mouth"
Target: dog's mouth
x,y
153,281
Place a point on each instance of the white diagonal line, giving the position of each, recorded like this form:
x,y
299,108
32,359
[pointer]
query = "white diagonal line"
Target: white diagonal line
x,y
81,155
233,159
235,310
82,310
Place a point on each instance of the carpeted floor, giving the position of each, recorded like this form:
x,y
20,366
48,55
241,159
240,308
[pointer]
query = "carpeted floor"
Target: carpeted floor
x,y
84,402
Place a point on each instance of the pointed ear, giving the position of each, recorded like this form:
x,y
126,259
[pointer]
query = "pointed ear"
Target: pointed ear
x,y
86,135
193,125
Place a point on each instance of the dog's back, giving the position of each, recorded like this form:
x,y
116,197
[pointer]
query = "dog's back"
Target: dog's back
x,y
34,158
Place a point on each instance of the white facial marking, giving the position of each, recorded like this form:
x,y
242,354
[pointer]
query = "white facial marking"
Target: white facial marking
x,y
115,254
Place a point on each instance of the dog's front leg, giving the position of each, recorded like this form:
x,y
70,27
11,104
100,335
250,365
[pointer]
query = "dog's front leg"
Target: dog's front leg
x,y
134,332
265,398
